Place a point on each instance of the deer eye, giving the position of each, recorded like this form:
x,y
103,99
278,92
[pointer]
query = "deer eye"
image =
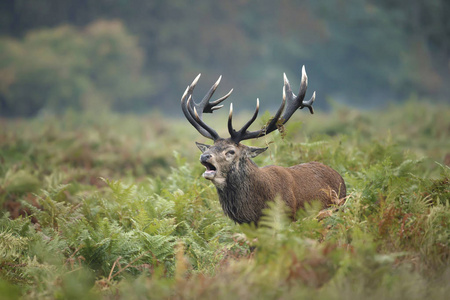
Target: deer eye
x,y
230,152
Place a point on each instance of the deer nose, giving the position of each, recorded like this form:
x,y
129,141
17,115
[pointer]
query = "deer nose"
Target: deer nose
x,y
204,157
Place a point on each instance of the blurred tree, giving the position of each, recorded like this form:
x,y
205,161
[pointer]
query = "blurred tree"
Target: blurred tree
x,y
426,24
362,51
362,54
94,68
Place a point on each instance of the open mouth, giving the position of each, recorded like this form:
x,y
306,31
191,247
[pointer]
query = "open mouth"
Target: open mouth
x,y
210,170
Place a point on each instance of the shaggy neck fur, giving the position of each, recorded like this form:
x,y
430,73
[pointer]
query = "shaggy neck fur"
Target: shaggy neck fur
x,y
237,195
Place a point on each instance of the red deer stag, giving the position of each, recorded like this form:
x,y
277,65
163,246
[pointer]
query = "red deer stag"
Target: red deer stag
x,y
244,188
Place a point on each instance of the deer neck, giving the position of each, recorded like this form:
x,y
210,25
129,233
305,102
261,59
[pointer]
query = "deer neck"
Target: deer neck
x,y
237,193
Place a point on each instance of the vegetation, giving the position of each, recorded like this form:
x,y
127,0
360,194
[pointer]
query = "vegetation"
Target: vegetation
x,y
104,206
62,68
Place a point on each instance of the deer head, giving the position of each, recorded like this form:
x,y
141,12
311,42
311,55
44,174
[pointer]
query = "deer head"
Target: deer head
x,y
224,158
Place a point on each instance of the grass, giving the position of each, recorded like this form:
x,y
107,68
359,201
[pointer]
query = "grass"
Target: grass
x,y
114,207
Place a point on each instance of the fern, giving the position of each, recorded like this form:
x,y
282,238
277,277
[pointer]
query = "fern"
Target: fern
x,y
160,247
159,231
11,246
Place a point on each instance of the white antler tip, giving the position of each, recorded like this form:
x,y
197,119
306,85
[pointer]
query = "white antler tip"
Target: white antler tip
x,y
286,81
304,76
227,95
217,82
196,79
184,94
216,107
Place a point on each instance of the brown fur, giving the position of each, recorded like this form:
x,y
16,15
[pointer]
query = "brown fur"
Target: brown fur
x,y
244,188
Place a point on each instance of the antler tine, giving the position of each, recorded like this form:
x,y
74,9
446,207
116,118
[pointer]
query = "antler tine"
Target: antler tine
x,y
296,102
205,106
190,112
211,91
237,136
250,122
302,92
288,107
309,103
184,106
212,134
303,84
230,122
194,111
218,101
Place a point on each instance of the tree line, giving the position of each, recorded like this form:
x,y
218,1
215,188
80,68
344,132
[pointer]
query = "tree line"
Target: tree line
x,y
136,55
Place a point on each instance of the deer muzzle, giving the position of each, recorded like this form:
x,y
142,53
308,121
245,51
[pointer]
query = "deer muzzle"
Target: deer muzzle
x,y
211,170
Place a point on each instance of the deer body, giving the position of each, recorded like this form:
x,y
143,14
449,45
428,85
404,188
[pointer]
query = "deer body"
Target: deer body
x,y
245,189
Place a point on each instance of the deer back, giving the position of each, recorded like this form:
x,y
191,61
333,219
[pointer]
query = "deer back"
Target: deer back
x,y
304,183
295,186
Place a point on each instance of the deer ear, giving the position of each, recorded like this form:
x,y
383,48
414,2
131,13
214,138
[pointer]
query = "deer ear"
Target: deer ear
x,y
202,147
254,151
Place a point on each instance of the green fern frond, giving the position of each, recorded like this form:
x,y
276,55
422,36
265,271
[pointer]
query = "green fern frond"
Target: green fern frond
x,y
160,247
120,191
275,219
11,245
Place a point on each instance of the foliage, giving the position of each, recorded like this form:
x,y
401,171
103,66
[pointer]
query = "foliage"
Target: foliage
x,y
96,208
96,68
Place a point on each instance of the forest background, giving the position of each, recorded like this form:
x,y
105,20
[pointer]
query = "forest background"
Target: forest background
x,y
140,55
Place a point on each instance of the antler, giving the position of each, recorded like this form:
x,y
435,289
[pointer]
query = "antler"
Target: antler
x,y
193,111
293,103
